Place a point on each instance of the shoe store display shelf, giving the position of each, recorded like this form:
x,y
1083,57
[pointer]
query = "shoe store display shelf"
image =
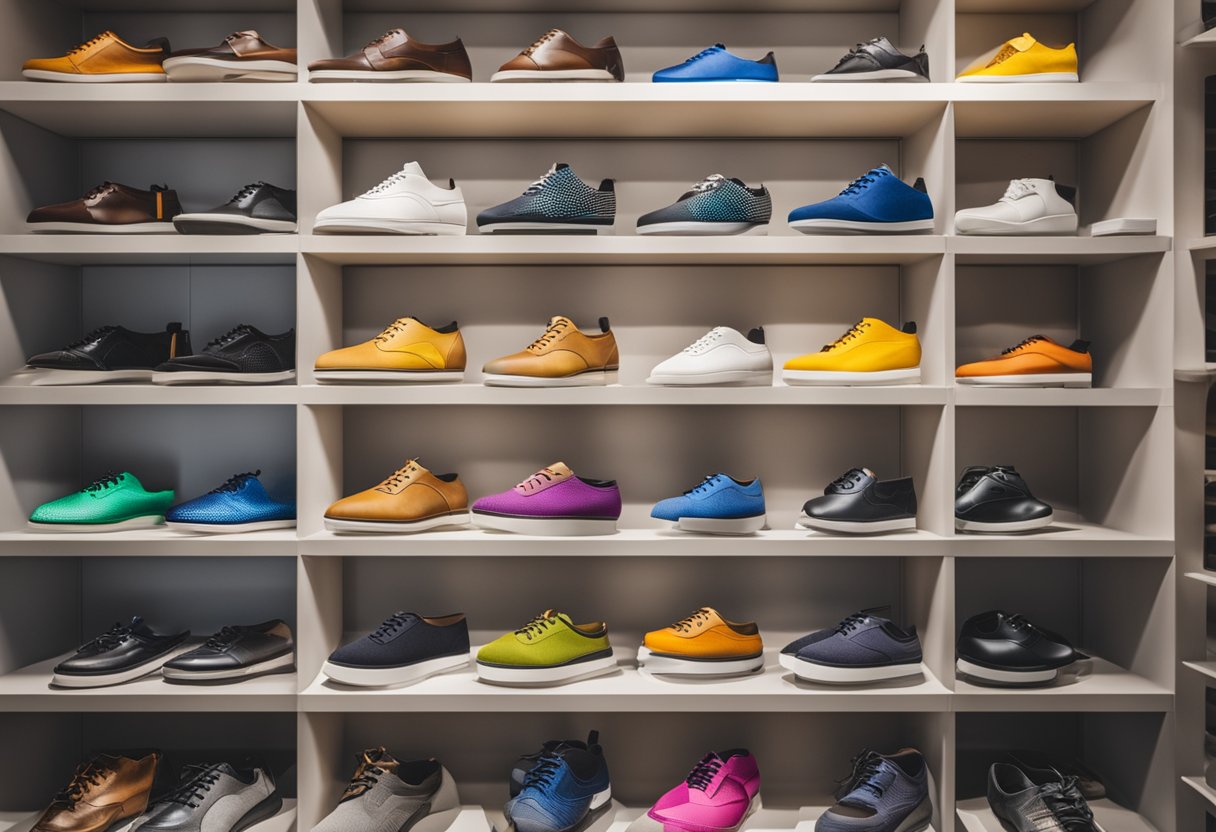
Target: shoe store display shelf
x,y
18,250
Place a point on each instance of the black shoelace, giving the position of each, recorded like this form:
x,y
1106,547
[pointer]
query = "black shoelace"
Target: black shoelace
x,y
544,771
854,331
87,775
1066,803
1025,343
851,623
111,638
105,481
391,625
688,622
537,626
234,483
367,774
197,780
92,336
703,773
222,640
849,478
229,336
248,189
865,772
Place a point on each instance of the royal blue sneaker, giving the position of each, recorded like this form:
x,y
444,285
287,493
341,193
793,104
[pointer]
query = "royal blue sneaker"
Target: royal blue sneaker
x,y
862,648
715,205
718,505
716,64
567,784
877,202
557,202
239,505
885,793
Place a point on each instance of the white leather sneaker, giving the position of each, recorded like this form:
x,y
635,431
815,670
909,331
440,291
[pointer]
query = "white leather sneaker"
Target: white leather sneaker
x,y
1029,206
720,356
405,203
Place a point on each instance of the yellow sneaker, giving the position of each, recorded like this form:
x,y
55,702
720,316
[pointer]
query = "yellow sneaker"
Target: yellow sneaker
x,y
871,352
1025,59
407,351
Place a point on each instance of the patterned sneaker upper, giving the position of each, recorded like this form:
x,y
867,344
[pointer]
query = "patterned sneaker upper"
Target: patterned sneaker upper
x,y
243,349
560,790
241,499
554,491
260,200
111,499
878,196
718,496
715,63
879,794
716,198
527,762
385,794
558,196
210,796
716,794
117,348
1046,800
863,640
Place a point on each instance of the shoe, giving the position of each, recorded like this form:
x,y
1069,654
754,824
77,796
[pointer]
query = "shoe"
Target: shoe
x,y
1029,207
242,355
105,793
884,793
110,353
387,793
395,56
412,499
715,205
1025,59
720,356
878,60
1088,783
871,352
215,797
259,208
788,657
857,502
125,652
703,644
997,500
555,56
1207,10
405,203
716,796
1036,362
236,652
716,64
239,505
553,501
563,356
105,58
878,203
549,649
1049,801
719,504
999,648
860,649
406,648
115,502
527,762
243,56
406,351
111,208
564,788
557,202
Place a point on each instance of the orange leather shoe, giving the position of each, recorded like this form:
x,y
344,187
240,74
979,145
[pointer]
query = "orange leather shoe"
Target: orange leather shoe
x,y
703,644
107,58
1036,362
561,357
411,500
406,351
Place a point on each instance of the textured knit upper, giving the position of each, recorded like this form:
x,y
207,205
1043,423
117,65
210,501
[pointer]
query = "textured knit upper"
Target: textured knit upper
x,y
557,792
405,638
378,800
210,798
716,199
717,497
862,640
111,499
559,195
881,794
242,499
554,492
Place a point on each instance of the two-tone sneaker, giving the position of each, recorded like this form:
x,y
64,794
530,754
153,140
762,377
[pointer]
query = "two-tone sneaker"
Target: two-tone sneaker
x,y
884,793
719,793
216,797
875,203
407,351
1028,207
387,793
871,352
549,649
406,648
526,762
558,202
716,63
858,502
404,203
116,502
241,504
703,644
719,504
564,788
862,648
721,356
563,356
553,501
242,355
716,205
878,60
258,208
110,353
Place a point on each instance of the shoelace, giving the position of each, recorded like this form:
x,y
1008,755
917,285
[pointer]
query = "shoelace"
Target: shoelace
x,y
854,331
551,333
691,621
1007,52
234,483
395,328
222,640
103,483
704,484
851,623
545,770
703,772
709,183
391,625
202,777
229,336
867,769
383,37
1017,189
86,775
1024,343
849,477
90,42
248,189
856,50
537,625
539,184
705,53
92,336
541,41
544,475
399,176
704,342
367,774
110,638
862,182
401,476
1066,803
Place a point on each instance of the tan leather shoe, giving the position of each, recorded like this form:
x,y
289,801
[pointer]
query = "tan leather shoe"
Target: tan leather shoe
x,y
105,58
411,500
561,357
243,56
406,351
558,57
105,790
395,56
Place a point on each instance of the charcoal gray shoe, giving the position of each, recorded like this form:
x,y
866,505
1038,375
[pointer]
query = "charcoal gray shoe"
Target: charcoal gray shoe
x,y
387,794
215,797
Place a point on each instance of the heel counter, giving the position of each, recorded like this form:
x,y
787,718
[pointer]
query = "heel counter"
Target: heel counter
x,y
456,357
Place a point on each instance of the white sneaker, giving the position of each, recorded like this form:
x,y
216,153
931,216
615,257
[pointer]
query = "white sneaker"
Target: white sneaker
x,y
1029,206
720,356
405,203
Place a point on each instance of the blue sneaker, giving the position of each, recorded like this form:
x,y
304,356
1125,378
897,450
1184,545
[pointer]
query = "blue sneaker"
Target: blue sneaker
x,y
877,202
885,793
862,648
716,64
557,202
718,505
566,785
715,205
239,505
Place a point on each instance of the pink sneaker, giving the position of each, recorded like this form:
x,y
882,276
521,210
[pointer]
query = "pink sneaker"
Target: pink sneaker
x,y
552,502
715,797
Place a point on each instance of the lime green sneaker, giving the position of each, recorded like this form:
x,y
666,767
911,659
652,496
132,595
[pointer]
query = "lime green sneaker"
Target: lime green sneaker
x,y
549,649
114,502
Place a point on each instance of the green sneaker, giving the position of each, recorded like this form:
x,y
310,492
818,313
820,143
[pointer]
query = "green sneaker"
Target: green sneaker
x,y
116,501
550,648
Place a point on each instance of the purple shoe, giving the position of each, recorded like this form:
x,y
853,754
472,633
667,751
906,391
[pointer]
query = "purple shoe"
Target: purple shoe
x,y
552,502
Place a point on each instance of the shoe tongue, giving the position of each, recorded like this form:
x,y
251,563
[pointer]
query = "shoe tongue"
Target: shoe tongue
x,y
380,757
560,469
138,626
561,319
412,169
560,166
1023,43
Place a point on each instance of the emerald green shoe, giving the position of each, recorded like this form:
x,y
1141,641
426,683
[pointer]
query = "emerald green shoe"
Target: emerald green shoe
x,y
550,649
114,502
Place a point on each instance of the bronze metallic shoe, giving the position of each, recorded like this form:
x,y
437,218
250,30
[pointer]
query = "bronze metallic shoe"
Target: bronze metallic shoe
x,y
558,57
111,208
395,56
104,792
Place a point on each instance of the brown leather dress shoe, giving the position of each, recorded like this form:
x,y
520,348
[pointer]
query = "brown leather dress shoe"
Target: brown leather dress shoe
x,y
111,208
243,56
104,791
558,57
395,56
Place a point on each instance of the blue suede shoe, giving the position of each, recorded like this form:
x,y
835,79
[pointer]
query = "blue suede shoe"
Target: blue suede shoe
x,y
239,505
877,203
718,505
716,64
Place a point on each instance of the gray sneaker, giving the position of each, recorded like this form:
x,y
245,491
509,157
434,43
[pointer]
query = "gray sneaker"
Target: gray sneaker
x,y
214,797
387,795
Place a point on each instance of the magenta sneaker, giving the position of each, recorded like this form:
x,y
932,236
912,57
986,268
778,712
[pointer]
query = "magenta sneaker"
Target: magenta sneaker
x,y
552,502
715,797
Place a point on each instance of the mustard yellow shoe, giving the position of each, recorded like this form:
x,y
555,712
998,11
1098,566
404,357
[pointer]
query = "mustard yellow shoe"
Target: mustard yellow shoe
x,y
871,352
106,58
1025,59
407,351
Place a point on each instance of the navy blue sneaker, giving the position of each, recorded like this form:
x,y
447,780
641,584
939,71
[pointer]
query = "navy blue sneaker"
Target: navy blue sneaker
x,y
527,762
239,505
715,205
877,202
557,202
884,793
718,505
716,64
861,648
565,786
406,648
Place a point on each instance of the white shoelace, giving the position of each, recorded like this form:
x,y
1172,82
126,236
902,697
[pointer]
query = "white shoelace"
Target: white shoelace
x,y
540,183
710,182
1017,189
704,342
399,176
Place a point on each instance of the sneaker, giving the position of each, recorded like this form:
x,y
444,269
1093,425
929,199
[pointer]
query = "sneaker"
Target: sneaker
x,y
720,356
703,644
1025,59
395,56
259,208
387,793
716,796
1036,362
1029,207
550,648
996,499
115,502
860,649
242,355
111,208
553,501
236,652
563,356
562,790
871,352
412,499
406,648
406,351
123,653
405,203
527,762
243,56
110,353
857,502
555,56
715,63
557,202
998,648
216,797
104,58
878,202
715,205
719,504
878,60
884,793
239,505
106,792
1049,801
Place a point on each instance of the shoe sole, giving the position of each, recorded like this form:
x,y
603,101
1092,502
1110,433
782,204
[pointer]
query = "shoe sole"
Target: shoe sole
x,y
509,75
699,229
541,676
830,378
200,69
229,224
1057,224
107,78
229,528
544,228
1006,677
209,377
855,227
264,810
1038,78
856,526
544,526
277,664
904,75
672,666
455,519
406,75
722,525
741,378
386,376
415,228
1030,380
829,675
50,378
163,227
147,521
377,677
592,378
1003,528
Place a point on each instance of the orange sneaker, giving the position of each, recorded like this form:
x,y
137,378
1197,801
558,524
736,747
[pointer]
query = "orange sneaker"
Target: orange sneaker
x,y
1036,362
703,644
104,58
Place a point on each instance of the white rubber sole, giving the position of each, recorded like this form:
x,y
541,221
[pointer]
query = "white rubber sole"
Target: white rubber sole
x,y
68,681
594,378
539,676
1003,528
669,666
1006,677
108,78
787,660
1033,380
100,228
389,226
544,228
854,227
149,521
854,527
715,525
824,674
460,518
385,377
231,528
743,378
53,378
1038,78
700,229
415,75
824,377
378,677
268,666
1123,225
200,68
546,527
1062,224
877,75
551,75
203,377
230,224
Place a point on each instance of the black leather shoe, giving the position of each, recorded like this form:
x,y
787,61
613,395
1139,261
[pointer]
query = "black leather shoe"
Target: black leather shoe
x,y
111,353
1031,800
1005,649
259,208
126,652
236,652
858,503
244,354
997,499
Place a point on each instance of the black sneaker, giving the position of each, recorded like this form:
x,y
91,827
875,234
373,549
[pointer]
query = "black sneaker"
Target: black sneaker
x,y
997,500
125,652
1207,8
1002,649
858,503
878,60
256,209
236,652
244,355
111,353
406,648
1031,801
